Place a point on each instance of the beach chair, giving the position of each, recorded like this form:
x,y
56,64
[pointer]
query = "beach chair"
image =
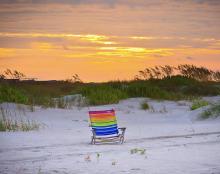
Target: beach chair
x,y
105,128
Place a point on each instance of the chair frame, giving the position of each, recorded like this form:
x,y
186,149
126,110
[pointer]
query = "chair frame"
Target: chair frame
x,y
118,138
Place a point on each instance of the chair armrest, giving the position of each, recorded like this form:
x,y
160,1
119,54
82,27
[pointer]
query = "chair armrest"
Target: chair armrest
x,y
122,128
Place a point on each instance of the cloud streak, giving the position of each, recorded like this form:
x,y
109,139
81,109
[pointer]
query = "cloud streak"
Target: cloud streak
x,y
114,37
107,2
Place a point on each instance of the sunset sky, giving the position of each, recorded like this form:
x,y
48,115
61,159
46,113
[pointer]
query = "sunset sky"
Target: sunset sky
x,y
103,40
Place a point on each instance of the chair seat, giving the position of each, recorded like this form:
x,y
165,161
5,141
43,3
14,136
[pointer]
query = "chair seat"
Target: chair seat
x,y
108,137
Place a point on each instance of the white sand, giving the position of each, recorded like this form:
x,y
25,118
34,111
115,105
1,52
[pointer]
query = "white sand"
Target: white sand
x,y
176,141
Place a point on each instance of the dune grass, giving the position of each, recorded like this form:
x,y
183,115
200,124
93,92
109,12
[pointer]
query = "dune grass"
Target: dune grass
x,y
213,111
168,88
102,94
198,104
15,124
172,88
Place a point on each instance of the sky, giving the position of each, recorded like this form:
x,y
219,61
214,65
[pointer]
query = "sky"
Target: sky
x,y
102,40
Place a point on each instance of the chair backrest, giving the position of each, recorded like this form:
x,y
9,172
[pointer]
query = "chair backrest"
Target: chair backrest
x,y
103,122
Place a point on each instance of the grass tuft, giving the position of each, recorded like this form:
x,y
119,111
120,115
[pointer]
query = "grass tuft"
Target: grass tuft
x,y
213,111
9,124
145,106
198,104
14,125
138,150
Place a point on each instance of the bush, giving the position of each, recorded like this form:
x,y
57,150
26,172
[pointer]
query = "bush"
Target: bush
x,y
198,104
201,89
151,90
145,106
10,94
104,94
213,111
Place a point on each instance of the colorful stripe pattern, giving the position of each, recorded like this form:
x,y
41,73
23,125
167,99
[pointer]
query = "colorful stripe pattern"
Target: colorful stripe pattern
x,y
103,122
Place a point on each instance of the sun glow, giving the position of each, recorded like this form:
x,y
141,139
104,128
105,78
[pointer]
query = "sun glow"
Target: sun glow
x,y
81,51
6,52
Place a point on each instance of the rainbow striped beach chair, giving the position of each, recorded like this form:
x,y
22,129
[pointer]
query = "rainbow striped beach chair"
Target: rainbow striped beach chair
x,y
105,128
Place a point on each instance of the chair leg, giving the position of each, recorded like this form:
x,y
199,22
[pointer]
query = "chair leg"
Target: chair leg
x,y
93,140
121,140
93,137
122,135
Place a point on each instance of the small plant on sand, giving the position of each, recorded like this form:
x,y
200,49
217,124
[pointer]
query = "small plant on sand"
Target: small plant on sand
x,y
213,111
198,104
87,158
98,155
137,150
145,105
39,171
142,151
113,163
133,151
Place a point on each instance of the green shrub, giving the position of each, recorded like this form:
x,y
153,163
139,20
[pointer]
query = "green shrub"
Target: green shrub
x,y
201,89
161,89
147,89
103,94
141,151
145,106
113,92
10,94
198,104
213,111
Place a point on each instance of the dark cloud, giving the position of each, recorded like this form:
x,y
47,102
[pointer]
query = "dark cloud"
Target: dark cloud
x,y
211,2
111,3
59,1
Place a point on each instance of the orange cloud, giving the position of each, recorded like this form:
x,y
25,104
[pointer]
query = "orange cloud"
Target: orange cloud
x,y
100,39
7,52
133,51
43,46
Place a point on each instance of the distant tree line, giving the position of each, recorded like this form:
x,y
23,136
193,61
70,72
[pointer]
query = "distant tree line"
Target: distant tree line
x,y
186,70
